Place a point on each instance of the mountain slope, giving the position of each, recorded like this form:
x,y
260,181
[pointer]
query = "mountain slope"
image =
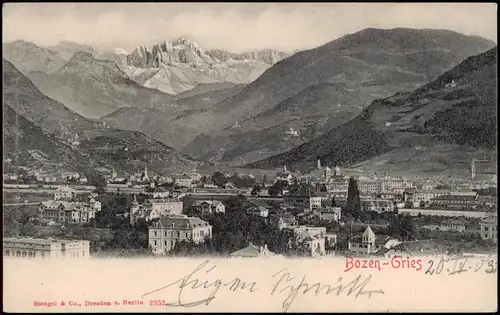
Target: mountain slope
x,y
92,144
369,65
457,110
25,143
155,122
24,98
95,88
28,57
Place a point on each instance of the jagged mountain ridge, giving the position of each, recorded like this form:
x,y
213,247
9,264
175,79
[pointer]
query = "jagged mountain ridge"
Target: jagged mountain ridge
x,y
368,65
178,66
185,51
457,110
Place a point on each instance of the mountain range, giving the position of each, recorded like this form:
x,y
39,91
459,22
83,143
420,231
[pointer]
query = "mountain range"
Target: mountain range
x,y
316,90
72,91
41,130
143,78
437,127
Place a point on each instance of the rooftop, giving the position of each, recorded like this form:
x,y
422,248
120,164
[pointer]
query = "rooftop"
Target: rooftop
x,y
40,241
252,251
420,247
180,222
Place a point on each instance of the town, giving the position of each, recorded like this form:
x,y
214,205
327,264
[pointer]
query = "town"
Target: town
x,y
325,213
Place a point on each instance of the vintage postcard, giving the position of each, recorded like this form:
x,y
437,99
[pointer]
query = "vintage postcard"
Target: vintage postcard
x,y
249,157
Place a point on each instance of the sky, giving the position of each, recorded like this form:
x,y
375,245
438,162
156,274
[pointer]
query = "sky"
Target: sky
x,y
236,27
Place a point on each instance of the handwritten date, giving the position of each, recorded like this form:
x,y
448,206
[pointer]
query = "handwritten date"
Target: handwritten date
x,y
457,265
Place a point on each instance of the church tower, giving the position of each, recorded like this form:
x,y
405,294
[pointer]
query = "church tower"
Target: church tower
x,y
135,206
145,177
472,169
319,164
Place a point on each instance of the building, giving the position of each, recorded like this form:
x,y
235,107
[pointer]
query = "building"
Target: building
x,y
369,186
184,181
258,211
154,208
208,206
377,205
303,198
456,225
489,229
307,239
365,243
391,196
282,220
166,232
337,185
27,247
64,192
65,175
427,195
291,132
68,212
454,202
253,251
329,213
160,192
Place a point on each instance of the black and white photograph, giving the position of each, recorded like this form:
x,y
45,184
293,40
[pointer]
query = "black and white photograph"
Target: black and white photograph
x,y
259,134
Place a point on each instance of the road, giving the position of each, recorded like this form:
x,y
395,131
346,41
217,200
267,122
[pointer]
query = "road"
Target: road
x,y
21,204
39,191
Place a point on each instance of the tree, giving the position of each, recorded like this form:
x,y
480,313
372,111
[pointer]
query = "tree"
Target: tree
x,y
264,179
219,179
422,204
323,188
334,203
277,188
353,204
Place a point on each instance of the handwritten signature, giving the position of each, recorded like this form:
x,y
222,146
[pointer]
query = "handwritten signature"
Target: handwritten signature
x,y
286,283
355,286
193,283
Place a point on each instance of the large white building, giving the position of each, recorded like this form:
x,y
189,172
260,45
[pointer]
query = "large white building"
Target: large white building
x,y
27,247
166,232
